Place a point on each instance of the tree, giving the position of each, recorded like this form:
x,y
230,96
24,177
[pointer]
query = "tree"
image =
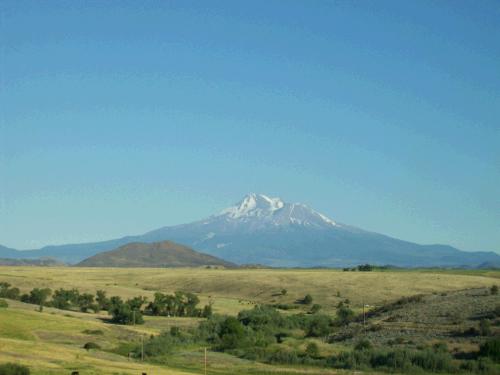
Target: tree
x,y
494,290
122,313
102,300
191,301
39,296
7,292
365,267
86,302
207,311
231,333
136,302
61,299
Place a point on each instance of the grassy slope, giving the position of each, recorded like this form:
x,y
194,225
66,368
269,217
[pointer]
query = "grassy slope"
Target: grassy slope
x,y
51,341
234,290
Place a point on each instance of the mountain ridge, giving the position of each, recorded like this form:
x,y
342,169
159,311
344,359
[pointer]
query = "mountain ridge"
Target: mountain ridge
x,y
261,229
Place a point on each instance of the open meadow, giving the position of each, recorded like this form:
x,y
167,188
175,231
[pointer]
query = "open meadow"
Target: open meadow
x,y
51,341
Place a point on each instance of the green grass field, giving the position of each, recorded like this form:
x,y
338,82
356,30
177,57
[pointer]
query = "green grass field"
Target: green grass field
x,y
50,342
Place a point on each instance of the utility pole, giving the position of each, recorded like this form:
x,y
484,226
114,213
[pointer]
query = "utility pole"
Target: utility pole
x,y
364,317
142,347
205,361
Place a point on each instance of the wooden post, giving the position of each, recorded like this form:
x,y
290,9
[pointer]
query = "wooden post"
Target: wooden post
x,y
142,347
205,361
364,317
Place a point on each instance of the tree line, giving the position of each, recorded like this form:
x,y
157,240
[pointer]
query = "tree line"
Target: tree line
x,y
128,311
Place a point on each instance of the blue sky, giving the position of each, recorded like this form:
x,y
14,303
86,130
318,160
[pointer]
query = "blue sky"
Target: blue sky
x,y
120,117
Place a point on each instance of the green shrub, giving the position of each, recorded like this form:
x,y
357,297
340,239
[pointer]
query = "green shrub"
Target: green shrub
x,y
307,300
494,290
315,308
3,303
491,349
13,369
312,350
91,345
363,344
485,327
319,326
93,332
344,315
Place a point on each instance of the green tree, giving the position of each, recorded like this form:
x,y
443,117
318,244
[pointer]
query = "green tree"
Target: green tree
x,y
102,300
86,302
207,311
38,296
122,313
231,333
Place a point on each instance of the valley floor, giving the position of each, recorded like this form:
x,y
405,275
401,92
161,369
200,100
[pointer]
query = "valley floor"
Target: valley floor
x,y
51,341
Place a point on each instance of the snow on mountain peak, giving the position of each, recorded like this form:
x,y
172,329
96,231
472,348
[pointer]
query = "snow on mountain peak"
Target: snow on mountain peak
x,y
254,205
259,209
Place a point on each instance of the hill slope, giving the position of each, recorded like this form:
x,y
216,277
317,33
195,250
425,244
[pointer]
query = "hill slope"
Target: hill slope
x,y
158,254
270,231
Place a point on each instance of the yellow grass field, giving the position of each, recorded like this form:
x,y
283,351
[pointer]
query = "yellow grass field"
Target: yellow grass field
x,y
50,342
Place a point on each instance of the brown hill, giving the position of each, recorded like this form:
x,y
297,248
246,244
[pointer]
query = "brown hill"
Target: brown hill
x,y
157,254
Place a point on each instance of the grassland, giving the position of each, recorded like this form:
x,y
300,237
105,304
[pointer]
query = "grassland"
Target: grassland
x,y
50,342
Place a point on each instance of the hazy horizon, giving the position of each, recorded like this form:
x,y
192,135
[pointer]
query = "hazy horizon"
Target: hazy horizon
x,y
120,118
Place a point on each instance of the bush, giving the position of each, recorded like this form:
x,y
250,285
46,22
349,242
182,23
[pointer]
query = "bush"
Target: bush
x,y
491,349
91,345
344,315
93,332
494,290
363,344
365,267
485,327
319,326
315,308
312,350
307,299
13,369
3,303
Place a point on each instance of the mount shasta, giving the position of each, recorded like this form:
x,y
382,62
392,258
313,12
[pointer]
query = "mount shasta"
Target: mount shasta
x,y
269,231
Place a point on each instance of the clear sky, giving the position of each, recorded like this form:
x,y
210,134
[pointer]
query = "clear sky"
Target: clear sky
x,y
121,117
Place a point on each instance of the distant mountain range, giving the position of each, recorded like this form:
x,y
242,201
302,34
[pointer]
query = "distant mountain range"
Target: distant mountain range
x,y
269,231
156,254
46,262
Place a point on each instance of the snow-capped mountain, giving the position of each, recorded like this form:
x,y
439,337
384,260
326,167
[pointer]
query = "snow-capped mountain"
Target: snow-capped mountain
x,y
270,231
258,211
